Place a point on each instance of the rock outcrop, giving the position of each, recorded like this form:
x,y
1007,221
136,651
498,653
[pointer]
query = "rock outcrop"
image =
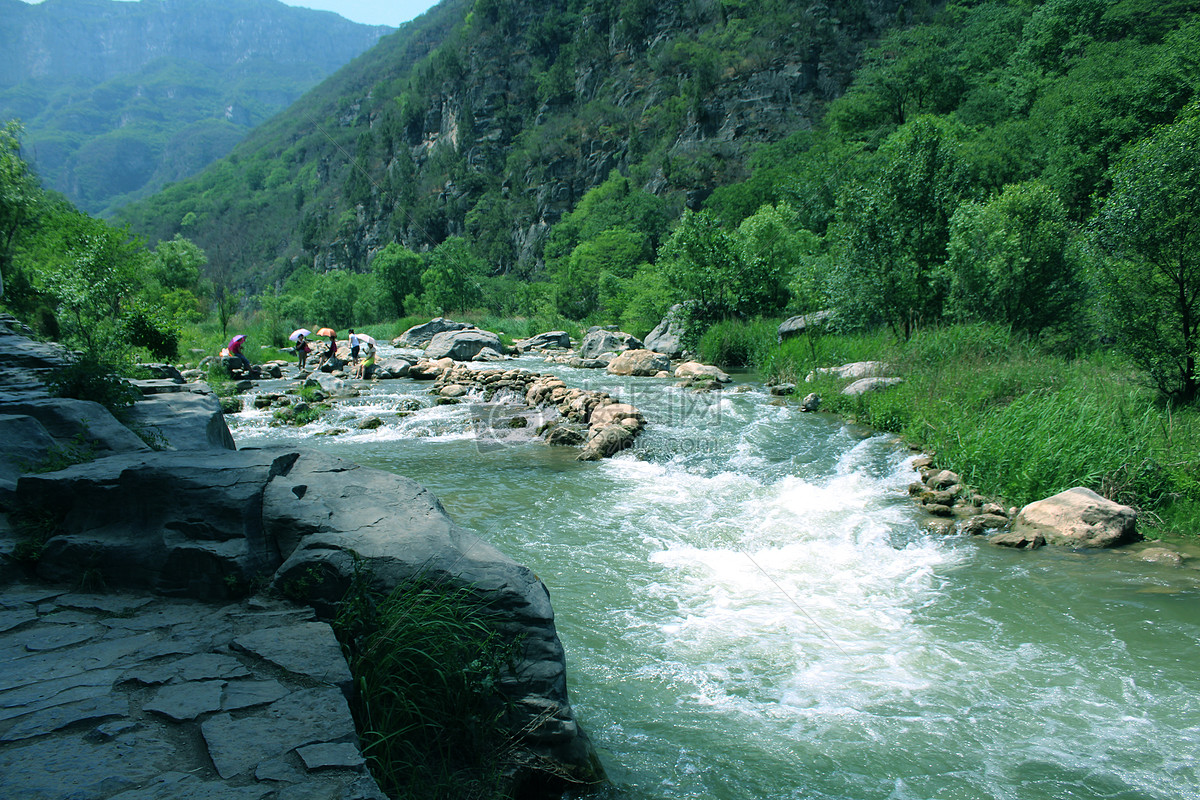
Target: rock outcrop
x,y
193,520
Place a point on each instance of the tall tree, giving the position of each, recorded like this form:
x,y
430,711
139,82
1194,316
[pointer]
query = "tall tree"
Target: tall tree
x,y
1147,238
19,194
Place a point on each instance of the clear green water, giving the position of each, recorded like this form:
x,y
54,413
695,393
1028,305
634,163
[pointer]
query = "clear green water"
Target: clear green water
x,y
751,610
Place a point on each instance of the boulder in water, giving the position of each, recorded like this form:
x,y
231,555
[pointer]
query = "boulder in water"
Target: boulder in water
x,y
1078,517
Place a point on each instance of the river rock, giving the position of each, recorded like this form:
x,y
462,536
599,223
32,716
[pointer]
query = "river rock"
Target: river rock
x,y
189,419
982,523
397,530
811,402
607,440
866,385
852,371
419,336
794,326
644,363
462,345
668,336
1020,540
551,340
1161,555
694,369
601,341
1078,517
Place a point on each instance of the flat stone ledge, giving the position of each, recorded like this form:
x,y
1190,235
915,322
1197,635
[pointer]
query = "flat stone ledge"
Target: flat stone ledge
x,y
127,697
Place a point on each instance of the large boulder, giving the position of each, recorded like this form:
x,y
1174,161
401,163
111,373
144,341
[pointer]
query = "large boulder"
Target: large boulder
x,y
206,524
1078,517
187,419
84,423
419,336
694,369
667,337
462,345
551,340
177,523
794,326
639,362
600,341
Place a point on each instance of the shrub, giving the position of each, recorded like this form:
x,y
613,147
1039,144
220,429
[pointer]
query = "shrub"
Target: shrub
x,y
90,378
734,343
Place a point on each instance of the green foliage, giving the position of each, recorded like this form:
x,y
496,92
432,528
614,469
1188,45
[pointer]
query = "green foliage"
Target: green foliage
x,y
453,277
736,343
428,662
1009,260
19,195
149,327
1147,244
397,272
88,377
891,234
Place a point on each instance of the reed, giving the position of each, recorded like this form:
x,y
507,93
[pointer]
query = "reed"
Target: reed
x,y
427,662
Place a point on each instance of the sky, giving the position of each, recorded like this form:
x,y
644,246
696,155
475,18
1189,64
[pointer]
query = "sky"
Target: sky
x,y
370,12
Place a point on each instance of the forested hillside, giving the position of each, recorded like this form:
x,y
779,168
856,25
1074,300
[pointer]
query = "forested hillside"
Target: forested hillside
x,y
118,99
520,110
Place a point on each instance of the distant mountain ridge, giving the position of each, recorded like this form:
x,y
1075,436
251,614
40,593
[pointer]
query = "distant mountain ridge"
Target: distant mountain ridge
x,y
120,98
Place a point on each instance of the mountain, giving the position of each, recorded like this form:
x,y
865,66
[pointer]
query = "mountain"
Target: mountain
x,y
491,119
119,99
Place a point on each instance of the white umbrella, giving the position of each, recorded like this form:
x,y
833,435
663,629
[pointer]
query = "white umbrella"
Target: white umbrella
x,y
296,334
365,339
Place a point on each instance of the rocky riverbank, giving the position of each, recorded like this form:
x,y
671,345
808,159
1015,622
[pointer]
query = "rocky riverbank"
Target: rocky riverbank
x,y
183,537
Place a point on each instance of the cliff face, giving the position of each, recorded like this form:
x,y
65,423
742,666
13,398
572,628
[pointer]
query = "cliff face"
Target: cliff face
x,y
119,98
508,118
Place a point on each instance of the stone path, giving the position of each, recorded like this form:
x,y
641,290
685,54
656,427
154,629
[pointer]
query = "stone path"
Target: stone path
x,y
126,697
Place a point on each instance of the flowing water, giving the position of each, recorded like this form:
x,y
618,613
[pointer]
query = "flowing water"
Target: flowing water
x,y
751,609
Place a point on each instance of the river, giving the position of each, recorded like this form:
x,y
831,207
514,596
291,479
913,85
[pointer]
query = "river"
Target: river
x,y
751,609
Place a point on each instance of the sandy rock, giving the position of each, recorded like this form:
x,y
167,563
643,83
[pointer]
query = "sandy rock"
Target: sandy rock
x,y
1078,517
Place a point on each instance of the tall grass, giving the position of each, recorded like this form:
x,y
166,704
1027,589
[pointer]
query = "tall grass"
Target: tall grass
x,y
1017,422
427,662
737,343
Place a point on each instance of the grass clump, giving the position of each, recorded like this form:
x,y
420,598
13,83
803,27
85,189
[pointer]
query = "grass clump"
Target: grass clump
x,y
737,343
427,663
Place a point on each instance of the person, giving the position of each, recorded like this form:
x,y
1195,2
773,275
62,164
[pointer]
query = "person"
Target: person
x,y
303,348
364,367
235,350
354,345
330,351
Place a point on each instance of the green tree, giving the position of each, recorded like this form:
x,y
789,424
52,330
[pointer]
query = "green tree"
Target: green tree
x,y
19,195
397,272
772,245
1008,260
891,232
176,263
615,253
90,281
703,262
1147,239
452,279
